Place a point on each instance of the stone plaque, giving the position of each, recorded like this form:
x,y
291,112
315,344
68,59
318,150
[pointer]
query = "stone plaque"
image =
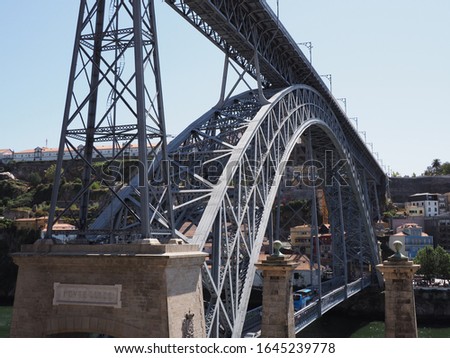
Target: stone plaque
x,y
91,295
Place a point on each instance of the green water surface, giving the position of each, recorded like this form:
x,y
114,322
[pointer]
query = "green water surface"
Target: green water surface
x,y
329,326
5,321
340,326
375,329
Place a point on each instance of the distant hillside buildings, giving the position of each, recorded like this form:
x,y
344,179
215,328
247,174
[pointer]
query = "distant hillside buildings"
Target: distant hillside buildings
x,y
426,212
429,212
51,154
412,238
63,232
426,205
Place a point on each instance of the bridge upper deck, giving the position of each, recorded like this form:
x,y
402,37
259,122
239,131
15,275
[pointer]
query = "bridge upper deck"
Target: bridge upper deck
x,y
243,28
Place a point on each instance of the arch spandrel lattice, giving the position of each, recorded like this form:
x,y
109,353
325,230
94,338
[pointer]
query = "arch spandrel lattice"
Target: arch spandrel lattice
x,y
226,170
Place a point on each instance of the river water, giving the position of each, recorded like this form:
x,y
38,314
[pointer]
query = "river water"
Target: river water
x,y
333,325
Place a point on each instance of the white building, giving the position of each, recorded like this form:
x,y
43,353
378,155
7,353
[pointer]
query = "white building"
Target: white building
x,y
425,204
6,155
62,232
51,154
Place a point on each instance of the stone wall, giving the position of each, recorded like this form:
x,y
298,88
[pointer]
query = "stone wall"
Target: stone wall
x,y
431,304
113,290
402,188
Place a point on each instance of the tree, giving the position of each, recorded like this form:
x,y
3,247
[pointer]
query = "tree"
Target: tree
x,y
442,261
35,179
436,165
434,263
445,168
49,174
426,259
437,168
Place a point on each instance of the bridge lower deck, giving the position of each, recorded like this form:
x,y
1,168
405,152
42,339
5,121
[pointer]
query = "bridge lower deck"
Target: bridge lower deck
x,y
311,312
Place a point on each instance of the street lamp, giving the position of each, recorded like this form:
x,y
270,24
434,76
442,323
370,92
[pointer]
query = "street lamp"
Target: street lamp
x,y
343,100
356,122
328,77
309,46
364,134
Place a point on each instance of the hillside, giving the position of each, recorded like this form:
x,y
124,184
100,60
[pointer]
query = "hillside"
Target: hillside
x,y
29,194
402,188
26,192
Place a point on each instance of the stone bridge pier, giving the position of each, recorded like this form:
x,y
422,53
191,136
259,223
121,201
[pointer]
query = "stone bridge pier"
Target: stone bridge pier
x,y
400,308
135,290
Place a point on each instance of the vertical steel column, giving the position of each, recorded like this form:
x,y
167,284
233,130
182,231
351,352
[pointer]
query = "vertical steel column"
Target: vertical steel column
x,y
98,73
314,221
162,123
215,273
92,111
141,119
361,247
277,219
65,124
344,251
262,98
223,87
377,203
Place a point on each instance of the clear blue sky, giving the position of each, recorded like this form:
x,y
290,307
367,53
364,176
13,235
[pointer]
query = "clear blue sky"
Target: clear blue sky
x,y
389,59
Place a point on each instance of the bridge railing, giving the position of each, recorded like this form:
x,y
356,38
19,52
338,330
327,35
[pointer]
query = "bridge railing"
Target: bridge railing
x,y
253,320
330,299
330,285
333,299
358,285
307,315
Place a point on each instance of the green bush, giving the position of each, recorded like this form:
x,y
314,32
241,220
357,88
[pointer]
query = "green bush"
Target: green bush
x,y
35,179
25,200
12,188
42,193
434,263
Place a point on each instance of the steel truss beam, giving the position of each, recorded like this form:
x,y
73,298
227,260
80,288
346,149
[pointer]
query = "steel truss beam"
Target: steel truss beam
x,y
216,183
226,170
249,33
109,102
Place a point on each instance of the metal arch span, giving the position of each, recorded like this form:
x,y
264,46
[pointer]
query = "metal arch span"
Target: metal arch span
x,y
226,170
236,216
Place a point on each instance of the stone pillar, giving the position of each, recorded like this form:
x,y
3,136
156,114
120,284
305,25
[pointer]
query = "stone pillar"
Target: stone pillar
x,y
132,291
278,306
400,309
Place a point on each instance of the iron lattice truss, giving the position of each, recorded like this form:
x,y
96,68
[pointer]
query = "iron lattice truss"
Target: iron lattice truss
x,y
110,108
216,183
249,33
246,30
226,170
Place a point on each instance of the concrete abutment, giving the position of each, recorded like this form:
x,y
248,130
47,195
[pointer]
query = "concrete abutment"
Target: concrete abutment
x,y
134,290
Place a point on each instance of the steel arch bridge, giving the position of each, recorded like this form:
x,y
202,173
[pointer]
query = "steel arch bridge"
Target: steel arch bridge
x,y
227,171
217,182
